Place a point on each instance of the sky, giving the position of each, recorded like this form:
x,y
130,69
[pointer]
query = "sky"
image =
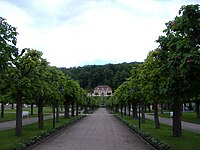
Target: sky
x,y
73,33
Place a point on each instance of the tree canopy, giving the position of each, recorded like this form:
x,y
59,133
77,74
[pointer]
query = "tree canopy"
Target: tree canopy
x,y
93,75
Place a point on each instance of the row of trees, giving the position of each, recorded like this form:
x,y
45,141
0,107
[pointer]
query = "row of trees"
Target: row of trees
x,y
170,74
93,75
26,77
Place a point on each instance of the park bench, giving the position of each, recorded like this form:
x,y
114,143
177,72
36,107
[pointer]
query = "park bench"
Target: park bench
x,y
24,114
171,114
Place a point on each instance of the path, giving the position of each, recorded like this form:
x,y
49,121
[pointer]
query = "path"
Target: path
x,y
11,124
185,125
99,131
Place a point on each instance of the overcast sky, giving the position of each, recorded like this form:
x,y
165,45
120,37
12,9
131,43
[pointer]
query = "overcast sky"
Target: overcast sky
x,y
86,32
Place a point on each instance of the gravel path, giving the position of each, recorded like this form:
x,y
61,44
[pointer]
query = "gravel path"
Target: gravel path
x,y
99,131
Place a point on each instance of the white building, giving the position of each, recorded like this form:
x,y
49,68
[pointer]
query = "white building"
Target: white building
x,y
102,90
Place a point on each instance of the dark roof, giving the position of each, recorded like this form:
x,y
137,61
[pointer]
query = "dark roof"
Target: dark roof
x,y
103,86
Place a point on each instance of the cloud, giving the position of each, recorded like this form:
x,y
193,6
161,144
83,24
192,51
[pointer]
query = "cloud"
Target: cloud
x,y
73,33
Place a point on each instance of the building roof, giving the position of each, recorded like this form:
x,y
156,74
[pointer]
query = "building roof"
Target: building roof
x,y
101,87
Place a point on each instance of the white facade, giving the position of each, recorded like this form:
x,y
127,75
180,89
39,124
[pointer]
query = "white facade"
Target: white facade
x,y
102,90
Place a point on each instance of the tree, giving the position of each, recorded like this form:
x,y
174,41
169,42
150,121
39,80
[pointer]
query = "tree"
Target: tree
x,y
8,40
57,91
41,79
92,75
25,66
150,80
67,94
180,53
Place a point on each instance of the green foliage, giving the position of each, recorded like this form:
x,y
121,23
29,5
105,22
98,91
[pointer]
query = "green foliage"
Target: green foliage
x,y
8,40
26,77
170,72
180,52
129,90
91,76
8,51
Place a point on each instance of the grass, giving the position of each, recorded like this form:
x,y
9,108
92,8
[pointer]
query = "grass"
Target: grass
x,y
8,139
186,116
8,117
35,110
189,140
10,114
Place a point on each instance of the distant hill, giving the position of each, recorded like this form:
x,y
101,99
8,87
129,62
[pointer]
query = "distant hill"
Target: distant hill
x,y
92,75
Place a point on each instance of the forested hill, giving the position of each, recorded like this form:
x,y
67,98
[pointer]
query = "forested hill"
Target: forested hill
x,y
92,75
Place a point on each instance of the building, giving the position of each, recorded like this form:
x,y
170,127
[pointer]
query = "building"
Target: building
x,y
102,90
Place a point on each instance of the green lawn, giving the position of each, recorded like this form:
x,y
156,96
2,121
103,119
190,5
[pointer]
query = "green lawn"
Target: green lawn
x,y
35,110
10,114
188,141
186,116
8,139
8,117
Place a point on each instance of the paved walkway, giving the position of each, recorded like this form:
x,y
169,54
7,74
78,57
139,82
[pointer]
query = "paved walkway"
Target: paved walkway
x,y
11,124
185,125
99,131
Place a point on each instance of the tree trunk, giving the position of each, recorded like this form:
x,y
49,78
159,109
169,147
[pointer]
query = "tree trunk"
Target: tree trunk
x,y
40,114
32,108
190,106
143,111
116,108
177,129
66,114
54,116
197,109
134,111
2,109
57,113
113,107
149,107
77,109
18,130
121,109
61,108
145,108
139,122
12,107
72,110
125,110
129,109
161,110
156,119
